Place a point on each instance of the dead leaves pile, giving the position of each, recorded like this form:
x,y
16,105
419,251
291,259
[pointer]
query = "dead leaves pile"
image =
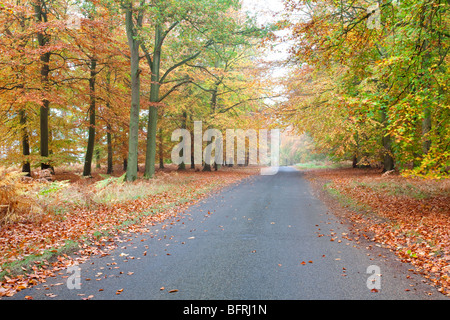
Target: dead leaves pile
x,y
410,216
95,229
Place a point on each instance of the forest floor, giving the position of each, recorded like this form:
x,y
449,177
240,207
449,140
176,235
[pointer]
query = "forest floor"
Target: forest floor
x,y
410,216
62,222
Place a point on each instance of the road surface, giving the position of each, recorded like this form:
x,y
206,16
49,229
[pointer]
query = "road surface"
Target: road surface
x,y
257,240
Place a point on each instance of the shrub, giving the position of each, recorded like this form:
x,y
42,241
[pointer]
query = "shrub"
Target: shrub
x,y
15,199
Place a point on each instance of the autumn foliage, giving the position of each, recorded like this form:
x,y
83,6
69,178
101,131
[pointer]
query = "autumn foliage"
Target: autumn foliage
x,y
369,81
71,90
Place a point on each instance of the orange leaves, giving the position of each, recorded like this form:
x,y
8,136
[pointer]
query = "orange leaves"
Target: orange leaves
x,y
408,215
100,223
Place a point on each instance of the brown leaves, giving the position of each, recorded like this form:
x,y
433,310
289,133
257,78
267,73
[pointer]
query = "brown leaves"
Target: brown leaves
x,y
413,214
98,222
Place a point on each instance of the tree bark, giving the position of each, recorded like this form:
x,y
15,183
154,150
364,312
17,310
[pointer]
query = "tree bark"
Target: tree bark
x,y
109,169
161,149
87,170
41,16
182,165
133,43
153,109
26,167
388,159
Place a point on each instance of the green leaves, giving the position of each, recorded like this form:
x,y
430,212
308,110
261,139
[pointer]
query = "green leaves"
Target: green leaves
x,y
399,70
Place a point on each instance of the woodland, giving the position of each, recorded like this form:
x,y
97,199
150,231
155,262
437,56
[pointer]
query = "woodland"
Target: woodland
x,y
93,89
369,81
106,82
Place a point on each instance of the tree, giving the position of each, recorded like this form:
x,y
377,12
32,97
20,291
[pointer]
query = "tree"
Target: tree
x,y
390,73
133,22
190,27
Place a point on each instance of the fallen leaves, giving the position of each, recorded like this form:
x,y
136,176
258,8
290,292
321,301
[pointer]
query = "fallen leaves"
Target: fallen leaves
x,y
410,216
99,225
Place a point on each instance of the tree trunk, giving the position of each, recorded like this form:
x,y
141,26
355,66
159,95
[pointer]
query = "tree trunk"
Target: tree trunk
x,y
426,128
41,16
109,169
153,109
26,167
161,149
91,137
133,43
355,161
388,159
182,165
192,147
97,158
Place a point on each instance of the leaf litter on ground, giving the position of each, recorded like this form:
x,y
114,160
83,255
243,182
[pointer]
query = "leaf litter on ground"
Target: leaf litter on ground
x,y
94,227
410,216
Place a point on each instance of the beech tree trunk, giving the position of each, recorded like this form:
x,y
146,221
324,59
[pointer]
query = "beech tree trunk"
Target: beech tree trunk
x,y
87,170
41,16
133,43
153,109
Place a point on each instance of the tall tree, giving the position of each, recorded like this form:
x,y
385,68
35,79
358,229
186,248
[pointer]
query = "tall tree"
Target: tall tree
x,y
41,16
134,16
390,73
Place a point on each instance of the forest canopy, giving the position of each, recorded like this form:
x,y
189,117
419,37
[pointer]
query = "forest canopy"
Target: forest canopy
x,y
369,81
89,80
108,81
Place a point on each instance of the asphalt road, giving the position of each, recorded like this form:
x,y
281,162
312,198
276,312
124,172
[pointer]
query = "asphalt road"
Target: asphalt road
x,y
246,242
